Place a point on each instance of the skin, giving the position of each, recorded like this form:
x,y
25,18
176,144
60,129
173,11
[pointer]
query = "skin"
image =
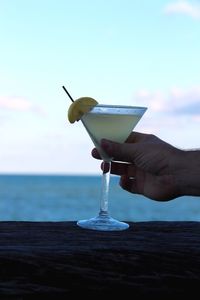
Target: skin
x,y
149,166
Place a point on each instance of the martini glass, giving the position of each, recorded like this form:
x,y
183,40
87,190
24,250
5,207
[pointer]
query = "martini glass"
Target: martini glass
x,y
115,123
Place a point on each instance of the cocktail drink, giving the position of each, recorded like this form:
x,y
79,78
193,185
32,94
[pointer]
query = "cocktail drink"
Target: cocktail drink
x,y
114,123
111,122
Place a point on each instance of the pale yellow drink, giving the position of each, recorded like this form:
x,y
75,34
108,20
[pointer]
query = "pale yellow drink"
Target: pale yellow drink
x,y
110,125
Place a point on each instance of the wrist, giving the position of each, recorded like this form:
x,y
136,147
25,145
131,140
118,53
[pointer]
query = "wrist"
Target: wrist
x,y
188,177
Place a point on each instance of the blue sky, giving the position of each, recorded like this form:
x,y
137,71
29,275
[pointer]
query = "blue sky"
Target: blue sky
x,y
119,52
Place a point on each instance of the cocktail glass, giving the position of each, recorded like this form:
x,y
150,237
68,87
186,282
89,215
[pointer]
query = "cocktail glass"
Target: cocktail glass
x,y
113,122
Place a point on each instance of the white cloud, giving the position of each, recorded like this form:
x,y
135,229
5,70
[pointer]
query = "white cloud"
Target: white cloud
x,y
19,104
183,7
177,101
173,115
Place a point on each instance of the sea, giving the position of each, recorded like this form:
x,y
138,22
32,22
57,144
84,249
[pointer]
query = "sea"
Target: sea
x,y
72,198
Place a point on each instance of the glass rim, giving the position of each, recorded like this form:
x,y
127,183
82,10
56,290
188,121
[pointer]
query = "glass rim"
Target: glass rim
x,y
119,106
117,109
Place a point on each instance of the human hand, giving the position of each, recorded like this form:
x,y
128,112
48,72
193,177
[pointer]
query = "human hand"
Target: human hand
x,y
146,164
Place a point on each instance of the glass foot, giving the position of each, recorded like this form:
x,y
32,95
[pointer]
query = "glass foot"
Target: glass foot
x,y
103,223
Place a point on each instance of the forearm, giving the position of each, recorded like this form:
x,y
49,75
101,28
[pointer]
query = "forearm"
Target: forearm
x,y
188,179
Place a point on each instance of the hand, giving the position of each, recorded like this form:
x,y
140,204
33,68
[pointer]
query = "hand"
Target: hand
x,y
147,165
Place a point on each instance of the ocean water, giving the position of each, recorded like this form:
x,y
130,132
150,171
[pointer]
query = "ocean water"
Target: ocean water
x,y
70,198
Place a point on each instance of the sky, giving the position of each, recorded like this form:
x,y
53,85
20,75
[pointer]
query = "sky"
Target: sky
x,y
127,52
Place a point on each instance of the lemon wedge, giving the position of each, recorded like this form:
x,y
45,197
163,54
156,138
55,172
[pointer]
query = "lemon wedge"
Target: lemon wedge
x,y
79,107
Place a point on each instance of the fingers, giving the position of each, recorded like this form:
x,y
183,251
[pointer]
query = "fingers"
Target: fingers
x,y
119,168
129,184
105,166
119,152
122,151
124,154
123,168
95,154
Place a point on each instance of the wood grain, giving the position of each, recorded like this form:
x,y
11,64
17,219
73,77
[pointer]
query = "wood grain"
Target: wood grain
x,y
56,259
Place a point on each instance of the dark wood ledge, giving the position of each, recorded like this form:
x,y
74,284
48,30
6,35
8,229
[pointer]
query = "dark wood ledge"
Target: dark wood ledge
x,y
56,259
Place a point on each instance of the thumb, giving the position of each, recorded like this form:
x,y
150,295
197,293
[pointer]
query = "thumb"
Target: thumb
x,y
119,151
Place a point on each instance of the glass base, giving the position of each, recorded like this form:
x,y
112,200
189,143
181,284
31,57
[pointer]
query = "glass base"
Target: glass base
x,y
103,223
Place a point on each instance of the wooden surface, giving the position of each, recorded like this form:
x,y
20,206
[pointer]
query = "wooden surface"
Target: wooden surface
x,y
56,259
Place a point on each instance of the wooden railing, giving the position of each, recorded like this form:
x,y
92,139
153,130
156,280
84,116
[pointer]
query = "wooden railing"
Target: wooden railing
x,y
56,259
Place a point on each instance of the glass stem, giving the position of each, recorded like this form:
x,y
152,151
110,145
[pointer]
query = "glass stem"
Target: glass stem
x,y
105,188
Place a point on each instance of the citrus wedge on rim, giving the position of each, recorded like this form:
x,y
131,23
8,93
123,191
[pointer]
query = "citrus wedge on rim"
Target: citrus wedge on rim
x,y
79,107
